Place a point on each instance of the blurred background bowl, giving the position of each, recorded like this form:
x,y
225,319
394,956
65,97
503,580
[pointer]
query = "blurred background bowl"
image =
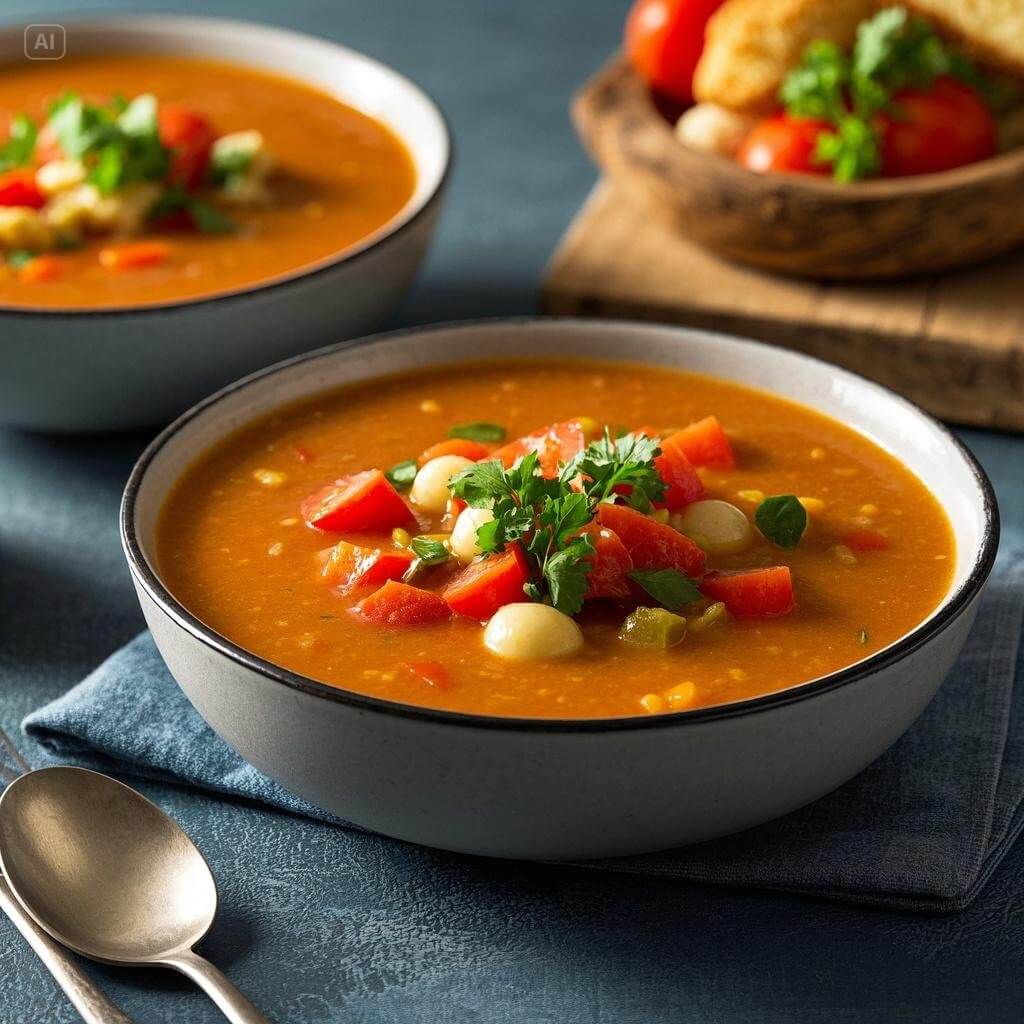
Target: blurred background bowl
x,y
119,368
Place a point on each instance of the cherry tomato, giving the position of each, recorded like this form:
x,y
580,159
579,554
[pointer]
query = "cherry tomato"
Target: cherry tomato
x,y
18,188
947,126
664,41
783,143
189,137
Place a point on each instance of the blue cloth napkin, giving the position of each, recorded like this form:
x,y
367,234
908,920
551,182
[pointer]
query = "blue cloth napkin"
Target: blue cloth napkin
x,y
922,828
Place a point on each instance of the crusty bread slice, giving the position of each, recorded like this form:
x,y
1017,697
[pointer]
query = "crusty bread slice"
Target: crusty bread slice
x,y
990,30
751,45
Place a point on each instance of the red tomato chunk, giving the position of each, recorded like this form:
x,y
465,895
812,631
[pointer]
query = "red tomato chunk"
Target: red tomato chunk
x,y
704,443
351,566
681,479
560,442
752,593
456,446
483,587
609,566
398,604
364,501
652,545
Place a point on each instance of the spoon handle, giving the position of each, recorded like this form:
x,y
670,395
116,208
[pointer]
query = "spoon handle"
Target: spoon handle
x,y
88,1000
230,1001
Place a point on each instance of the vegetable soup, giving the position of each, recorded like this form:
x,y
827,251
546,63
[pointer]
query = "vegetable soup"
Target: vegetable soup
x,y
560,539
133,180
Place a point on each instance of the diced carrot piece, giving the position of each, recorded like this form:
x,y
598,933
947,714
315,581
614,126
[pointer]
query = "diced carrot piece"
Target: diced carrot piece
x,y
866,540
398,604
651,545
704,443
483,587
555,444
609,565
752,593
683,483
456,446
363,501
133,255
352,566
42,268
18,188
433,673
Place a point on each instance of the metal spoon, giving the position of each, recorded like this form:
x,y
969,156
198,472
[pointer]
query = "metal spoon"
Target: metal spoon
x,y
93,1006
107,873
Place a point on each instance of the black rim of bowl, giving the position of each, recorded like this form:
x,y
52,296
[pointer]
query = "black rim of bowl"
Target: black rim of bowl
x,y
392,230
954,604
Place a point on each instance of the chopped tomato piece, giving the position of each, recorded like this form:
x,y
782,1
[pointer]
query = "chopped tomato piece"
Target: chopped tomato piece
x,y
483,587
398,604
352,566
752,593
651,545
555,444
456,446
42,268
189,137
133,255
609,565
683,483
18,188
433,673
704,443
363,501
866,540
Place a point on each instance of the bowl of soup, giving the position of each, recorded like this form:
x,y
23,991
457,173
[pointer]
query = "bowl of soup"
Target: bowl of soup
x,y
613,588
184,200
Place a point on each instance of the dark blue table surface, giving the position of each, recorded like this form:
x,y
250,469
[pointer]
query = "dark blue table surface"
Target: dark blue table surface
x,y
375,935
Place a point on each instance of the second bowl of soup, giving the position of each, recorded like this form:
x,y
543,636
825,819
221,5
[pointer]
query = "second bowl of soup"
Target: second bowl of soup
x,y
501,605
247,189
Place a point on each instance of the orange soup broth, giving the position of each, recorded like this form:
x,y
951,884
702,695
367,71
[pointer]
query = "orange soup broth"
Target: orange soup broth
x,y
236,553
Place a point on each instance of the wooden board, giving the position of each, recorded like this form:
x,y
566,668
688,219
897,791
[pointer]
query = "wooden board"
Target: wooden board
x,y
952,343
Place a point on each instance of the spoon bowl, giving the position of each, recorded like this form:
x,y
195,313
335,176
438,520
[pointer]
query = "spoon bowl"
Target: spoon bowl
x,y
105,871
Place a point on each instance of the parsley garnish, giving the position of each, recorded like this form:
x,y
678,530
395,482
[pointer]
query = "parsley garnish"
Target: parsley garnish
x,y
20,145
487,433
668,587
17,258
782,519
545,516
402,474
893,51
429,551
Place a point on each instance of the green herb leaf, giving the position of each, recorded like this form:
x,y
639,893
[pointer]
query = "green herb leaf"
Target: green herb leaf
x,y
429,551
402,474
486,433
853,150
17,258
818,86
610,463
138,118
668,587
20,145
208,219
481,484
566,574
782,519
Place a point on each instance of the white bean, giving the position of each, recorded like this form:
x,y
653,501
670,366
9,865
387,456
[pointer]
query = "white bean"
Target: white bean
x,y
719,528
463,540
430,488
529,630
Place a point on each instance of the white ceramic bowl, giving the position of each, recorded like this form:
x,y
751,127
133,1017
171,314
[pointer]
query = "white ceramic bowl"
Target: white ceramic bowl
x,y
565,789
105,369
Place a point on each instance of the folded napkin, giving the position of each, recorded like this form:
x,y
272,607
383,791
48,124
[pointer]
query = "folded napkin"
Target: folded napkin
x,y
922,828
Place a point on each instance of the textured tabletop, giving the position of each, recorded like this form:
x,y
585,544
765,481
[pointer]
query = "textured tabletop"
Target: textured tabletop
x,y
377,937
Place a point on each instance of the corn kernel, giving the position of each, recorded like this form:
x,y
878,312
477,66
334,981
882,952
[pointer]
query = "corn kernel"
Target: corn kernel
x,y
737,674
652,703
843,554
401,538
290,521
813,506
429,405
861,521
818,454
275,549
754,496
591,428
682,695
269,477
707,618
869,510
